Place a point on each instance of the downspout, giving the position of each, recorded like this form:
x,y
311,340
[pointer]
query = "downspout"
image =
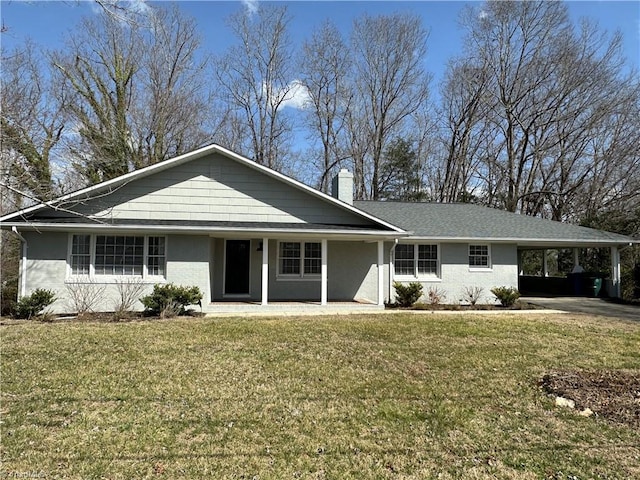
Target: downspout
x,y
391,267
23,264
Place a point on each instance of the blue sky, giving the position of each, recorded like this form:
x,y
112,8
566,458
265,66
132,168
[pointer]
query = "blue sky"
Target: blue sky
x,y
47,22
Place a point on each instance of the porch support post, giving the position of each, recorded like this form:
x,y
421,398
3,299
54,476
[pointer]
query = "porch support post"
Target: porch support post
x,y
380,272
265,271
615,272
545,265
323,273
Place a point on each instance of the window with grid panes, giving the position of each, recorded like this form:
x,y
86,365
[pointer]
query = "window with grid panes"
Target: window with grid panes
x,y
479,256
427,259
156,256
118,255
300,259
80,254
416,260
404,259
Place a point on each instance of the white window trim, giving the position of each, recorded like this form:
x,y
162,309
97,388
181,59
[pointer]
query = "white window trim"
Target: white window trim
x,y
424,277
94,278
297,277
475,268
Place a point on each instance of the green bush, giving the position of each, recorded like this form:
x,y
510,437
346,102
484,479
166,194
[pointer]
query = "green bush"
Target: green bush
x,y
507,295
169,300
31,305
407,295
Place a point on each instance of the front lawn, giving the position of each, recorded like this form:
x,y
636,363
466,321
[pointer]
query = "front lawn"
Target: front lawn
x,y
384,396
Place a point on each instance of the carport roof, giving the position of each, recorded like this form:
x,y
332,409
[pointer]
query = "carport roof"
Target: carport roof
x,y
469,222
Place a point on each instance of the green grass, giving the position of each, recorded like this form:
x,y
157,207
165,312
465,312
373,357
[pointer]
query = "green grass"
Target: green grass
x,y
388,396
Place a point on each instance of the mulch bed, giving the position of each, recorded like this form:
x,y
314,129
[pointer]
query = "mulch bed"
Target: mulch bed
x,y
611,394
519,305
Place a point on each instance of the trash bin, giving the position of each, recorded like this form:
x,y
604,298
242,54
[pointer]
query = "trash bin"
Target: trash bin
x,y
594,285
597,286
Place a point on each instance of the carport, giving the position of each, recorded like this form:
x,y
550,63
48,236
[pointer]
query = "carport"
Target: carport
x,y
556,268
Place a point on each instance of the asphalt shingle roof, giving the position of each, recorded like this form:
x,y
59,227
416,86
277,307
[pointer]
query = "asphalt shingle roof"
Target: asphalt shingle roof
x,y
467,221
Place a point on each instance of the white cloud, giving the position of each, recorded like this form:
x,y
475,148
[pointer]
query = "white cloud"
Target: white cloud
x,y
139,6
124,11
297,96
251,5
483,14
294,95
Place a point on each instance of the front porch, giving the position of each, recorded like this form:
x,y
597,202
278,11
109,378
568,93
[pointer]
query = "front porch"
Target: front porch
x,y
295,272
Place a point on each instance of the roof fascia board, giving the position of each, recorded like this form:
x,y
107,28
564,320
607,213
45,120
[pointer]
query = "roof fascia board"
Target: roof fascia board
x,y
527,241
204,230
213,148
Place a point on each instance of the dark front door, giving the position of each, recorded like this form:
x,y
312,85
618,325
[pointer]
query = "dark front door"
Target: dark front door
x,y
236,277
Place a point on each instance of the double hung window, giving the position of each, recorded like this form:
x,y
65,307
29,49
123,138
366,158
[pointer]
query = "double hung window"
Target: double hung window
x,y
479,256
299,259
416,260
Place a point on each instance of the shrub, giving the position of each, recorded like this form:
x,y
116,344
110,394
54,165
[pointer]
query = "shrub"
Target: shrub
x,y
407,295
506,295
169,300
472,294
31,305
436,296
84,296
128,292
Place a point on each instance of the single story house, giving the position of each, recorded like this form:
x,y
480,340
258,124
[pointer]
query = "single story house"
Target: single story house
x,y
244,233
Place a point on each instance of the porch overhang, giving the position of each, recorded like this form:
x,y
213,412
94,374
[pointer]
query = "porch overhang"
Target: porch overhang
x,y
217,229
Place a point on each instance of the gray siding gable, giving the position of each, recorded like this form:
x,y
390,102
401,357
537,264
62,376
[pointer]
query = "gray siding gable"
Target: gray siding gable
x,y
213,188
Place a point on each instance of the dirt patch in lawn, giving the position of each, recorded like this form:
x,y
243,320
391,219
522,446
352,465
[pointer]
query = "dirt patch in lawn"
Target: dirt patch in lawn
x,y
611,394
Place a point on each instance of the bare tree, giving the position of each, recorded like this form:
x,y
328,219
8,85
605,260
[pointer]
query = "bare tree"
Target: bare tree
x,y
138,91
390,84
325,69
532,109
99,65
257,79
464,113
32,125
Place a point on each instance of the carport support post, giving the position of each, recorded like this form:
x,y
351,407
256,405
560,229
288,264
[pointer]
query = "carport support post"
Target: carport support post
x,y
323,273
615,272
576,257
265,271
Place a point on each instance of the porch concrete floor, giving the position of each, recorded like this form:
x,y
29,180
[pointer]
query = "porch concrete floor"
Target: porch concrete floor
x,y
227,309
283,309
592,306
